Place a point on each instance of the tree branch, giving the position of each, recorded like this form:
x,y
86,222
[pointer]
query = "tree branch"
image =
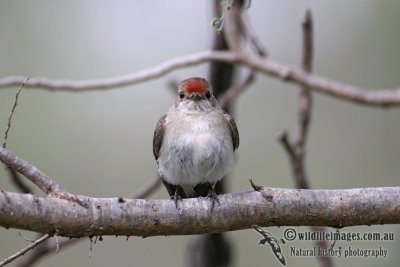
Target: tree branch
x,y
41,180
225,99
296,150
249,33
148,188
139,217
305,94
24,250
19,183
12,113
45,248
382,97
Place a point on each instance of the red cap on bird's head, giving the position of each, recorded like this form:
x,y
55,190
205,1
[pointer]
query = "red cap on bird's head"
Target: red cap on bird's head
x,y
194,85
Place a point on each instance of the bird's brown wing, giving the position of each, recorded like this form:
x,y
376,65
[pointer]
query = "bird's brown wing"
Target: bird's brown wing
x,y
157,143
158,136
234,130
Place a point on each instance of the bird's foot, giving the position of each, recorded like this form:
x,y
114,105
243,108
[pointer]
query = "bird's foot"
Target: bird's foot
x,y
176,197
213,197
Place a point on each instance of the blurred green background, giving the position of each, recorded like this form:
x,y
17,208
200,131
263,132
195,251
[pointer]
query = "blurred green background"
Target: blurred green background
x,y
100,143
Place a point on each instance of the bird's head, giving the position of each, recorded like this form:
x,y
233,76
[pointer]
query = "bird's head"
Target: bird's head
x,y
195,93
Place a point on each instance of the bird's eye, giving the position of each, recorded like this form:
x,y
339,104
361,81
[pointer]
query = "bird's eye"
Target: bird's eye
x,y
208,94
181,95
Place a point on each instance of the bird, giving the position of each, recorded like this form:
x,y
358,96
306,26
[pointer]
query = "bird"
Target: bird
x,y
194,142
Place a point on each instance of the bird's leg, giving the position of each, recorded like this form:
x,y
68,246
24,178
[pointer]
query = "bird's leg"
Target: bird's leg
x,y
176,197
213,196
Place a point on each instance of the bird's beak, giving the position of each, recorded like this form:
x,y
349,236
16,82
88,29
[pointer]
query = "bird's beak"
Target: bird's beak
x,y
195,96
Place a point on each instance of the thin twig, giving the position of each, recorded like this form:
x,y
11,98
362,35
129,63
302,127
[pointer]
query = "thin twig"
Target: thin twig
x,y
45,183
297,163
284,139
43,249
118,81
380,97
24,250
25,238
305,95
148,188
296,150
14,176
235,90
12,112
248,31
41,180
16,179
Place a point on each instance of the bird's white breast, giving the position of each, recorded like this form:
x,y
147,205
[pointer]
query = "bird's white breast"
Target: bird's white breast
x,y
196,148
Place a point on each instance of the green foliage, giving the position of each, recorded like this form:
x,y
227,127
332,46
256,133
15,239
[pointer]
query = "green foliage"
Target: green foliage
x,y
219,22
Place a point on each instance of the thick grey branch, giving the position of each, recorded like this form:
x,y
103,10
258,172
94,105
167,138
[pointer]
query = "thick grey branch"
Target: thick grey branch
x,y
388,97
139,217
46,247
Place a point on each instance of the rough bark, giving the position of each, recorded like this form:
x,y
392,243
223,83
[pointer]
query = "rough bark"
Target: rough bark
x,y
241,210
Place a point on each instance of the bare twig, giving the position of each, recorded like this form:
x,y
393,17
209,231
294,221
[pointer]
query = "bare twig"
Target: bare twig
x,y
323,260
14,176
118,81
25,238
41,180
305,95
235,90
381,97
297,163
43,249
45,183
16,179
24,250
296,151
12,112
142,217
248,31
21,185
148,188
284,139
